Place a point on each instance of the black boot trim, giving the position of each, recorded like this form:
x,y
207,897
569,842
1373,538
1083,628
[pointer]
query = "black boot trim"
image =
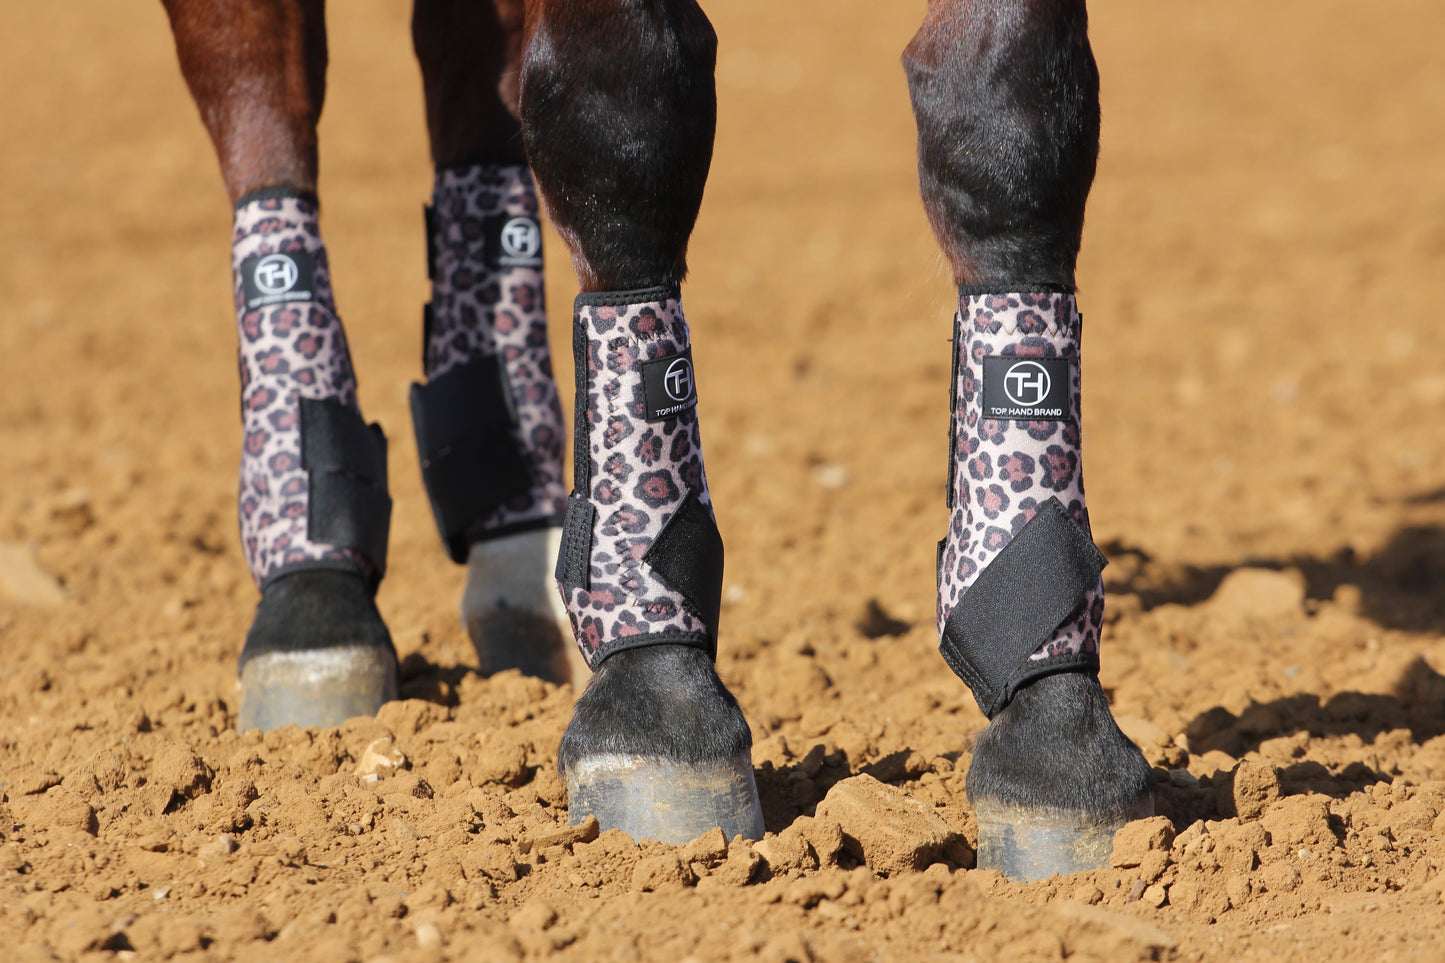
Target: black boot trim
x,y
695,640
574,559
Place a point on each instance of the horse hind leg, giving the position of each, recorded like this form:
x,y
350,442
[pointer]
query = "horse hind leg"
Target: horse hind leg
x,y
488,422
1006,97
618,111
313,503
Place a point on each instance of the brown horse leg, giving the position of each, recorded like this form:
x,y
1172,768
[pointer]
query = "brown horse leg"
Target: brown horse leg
x,y
618,113
488,419
1006,97
313,503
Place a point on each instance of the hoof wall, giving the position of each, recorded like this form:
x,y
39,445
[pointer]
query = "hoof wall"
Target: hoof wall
x,y
667,801
513,612
1027,844
315,687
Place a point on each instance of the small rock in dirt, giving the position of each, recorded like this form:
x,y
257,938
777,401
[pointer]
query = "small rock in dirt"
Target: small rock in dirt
x,y
661,872
381,756
1154,896
1134,840
1087,893
22,579
893,831
428,934
218,848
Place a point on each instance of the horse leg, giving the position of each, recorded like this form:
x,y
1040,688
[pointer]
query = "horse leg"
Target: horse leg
x,y
618,112
488,422
1006,97
313,503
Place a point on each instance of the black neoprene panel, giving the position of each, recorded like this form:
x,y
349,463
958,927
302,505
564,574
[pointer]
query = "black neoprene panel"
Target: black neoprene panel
x,y
469,460
1029,589
345,461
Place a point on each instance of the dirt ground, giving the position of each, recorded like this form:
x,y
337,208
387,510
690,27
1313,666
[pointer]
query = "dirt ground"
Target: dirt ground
x,y
1266,466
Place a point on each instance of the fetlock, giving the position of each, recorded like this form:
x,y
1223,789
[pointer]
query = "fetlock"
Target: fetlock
x,y
1056,747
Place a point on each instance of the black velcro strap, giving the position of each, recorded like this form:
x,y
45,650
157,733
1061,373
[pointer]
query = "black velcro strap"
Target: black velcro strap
x,y
688,555
574,559
1030,588
345,462
470,463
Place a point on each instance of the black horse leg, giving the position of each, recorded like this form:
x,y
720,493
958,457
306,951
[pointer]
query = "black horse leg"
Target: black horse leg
x,y
488,420
618,113
1006,98
314,509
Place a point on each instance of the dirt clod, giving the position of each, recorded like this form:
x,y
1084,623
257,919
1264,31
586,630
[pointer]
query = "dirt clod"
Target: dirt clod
x,y
891,830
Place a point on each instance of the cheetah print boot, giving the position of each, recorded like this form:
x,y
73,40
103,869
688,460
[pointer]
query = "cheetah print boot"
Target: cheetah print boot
x,y
488,421
314,509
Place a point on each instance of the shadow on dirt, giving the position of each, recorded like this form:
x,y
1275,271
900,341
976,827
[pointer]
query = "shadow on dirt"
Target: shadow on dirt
x,y
1416,705
420,678
1402,586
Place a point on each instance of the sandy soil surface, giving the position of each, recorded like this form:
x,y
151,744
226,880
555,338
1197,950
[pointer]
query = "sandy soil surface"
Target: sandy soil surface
x,y
1266,465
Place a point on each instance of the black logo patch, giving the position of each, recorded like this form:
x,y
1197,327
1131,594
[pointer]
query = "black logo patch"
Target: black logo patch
x,y
278,278
514,241
1026,389
668,386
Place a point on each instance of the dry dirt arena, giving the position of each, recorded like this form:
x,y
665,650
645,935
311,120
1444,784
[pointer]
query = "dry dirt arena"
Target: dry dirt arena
x,y
1266,458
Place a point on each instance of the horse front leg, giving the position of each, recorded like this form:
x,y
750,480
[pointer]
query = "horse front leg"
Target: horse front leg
x,y
488,423
1006,98
314,508
618,113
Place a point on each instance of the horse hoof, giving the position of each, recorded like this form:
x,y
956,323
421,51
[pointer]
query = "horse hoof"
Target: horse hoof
x,y
317,653
513,612
658,748
649,798
1028,844
315,687
1052,779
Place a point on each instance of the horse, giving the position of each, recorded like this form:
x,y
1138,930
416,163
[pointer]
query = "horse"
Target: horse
x,y
602,112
